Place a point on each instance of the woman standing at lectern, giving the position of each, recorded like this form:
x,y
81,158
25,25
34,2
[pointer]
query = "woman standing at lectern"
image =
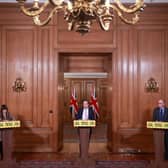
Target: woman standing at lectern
x,y
4,116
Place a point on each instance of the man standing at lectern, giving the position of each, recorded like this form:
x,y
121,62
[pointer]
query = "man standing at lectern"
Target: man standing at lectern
x,y
160,113
86,112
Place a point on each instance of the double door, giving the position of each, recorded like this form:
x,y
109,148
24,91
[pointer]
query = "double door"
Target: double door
x,y
83,88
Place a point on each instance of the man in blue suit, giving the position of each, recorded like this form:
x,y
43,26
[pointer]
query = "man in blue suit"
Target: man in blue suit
x,y
160,113
86,112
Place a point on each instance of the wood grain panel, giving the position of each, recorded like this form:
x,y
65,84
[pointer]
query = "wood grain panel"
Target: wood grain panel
x,y
33,140
135,140
125,73
86,62
154,14
89,40
10,14
78,85
44,77
67,94
135,67
60,96
19,64
34,108
150,65
0,63
88,87
166,68
103,96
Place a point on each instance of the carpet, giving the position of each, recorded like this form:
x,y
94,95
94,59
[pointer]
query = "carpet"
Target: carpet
x,y
69,164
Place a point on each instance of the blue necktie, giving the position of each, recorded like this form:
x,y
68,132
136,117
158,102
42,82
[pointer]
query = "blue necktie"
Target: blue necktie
x,y
161,114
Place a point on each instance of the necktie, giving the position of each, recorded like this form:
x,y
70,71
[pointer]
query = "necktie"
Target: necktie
x,y
161,114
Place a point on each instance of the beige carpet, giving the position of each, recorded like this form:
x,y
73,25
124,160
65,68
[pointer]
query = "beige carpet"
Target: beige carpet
x,y
94,147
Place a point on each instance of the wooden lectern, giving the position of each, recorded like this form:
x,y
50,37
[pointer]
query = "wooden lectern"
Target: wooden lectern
x,y
158,135
84,127
7,143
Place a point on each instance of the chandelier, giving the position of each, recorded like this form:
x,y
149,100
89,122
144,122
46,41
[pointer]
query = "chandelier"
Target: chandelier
x,y
80,14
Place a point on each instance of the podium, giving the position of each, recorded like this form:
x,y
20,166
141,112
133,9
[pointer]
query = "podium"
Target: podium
x,y
84,129
158,135
7,143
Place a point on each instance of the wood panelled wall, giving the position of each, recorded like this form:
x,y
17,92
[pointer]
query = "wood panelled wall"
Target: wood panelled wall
x,y
141,53
137,52
87,62
27,52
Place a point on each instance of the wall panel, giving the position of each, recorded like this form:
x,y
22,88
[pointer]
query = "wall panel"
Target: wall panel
x,y
45,77
140,55
0,62
22,57
37,55
165,91
150,47
85,62
19,54
124,66
90,40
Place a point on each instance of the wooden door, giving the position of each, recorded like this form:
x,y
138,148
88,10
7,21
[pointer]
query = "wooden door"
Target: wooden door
x,y
83,89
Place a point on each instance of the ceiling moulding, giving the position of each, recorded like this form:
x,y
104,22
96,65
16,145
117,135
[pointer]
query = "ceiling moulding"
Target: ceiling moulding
x,y
124,1
85,75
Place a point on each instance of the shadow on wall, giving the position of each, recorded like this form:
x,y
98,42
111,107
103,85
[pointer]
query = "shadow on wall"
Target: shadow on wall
x,y
25,138
135,140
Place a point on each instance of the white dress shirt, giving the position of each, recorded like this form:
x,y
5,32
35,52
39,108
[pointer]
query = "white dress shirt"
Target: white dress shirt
x,y
85,114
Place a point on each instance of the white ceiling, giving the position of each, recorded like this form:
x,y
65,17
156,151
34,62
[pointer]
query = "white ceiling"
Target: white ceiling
x,y
147,1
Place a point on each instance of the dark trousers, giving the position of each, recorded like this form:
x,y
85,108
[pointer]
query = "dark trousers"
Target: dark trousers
x,y
1,150
166,144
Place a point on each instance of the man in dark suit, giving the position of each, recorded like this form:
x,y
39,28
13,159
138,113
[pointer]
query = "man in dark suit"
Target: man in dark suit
x,y
160,113
86,112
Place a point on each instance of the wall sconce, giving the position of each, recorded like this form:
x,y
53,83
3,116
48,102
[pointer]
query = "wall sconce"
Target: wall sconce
x,y
19,85
151,85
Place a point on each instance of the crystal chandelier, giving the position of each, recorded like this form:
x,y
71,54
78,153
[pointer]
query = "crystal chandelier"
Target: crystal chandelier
x,y
80,14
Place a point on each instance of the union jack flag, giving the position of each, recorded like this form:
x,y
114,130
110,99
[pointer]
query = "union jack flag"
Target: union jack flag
x,y
73,106
94,103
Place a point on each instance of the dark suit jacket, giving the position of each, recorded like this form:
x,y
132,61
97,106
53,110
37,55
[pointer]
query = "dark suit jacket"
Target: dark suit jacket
x,y
80,112
156,114
8,116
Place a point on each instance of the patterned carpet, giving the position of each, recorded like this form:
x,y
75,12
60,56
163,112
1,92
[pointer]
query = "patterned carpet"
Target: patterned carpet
x,y
69,164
